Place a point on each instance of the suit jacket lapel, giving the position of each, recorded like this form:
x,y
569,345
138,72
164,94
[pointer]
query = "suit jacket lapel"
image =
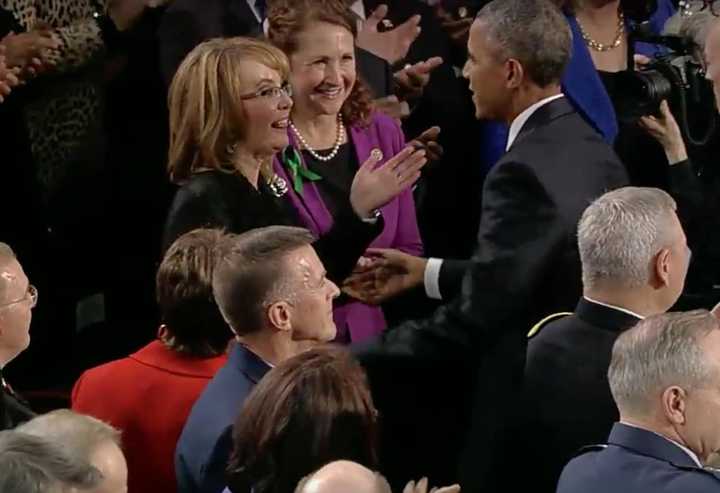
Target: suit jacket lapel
x,y
248,363
543,115
240,19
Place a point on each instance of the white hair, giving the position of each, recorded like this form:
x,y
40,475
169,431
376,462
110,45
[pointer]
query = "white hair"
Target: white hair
x,y
32,464
660,351
620,233
80,434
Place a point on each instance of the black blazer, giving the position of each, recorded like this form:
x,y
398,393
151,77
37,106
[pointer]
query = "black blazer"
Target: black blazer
x,y
569,404
13,409
526,265
228,201
187,23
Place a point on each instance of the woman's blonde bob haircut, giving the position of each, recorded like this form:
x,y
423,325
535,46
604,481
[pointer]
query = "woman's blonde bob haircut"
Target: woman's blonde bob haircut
x,y
206,115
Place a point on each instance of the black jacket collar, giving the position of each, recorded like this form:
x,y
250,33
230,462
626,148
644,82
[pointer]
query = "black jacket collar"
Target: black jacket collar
x,y
604,317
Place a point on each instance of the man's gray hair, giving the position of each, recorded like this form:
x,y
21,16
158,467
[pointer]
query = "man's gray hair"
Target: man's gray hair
x,y
660,351
80,434
31,464
620,233
695,26
534,32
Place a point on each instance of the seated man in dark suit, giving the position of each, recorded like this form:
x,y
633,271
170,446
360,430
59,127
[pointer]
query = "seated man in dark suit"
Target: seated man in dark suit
x,y
17,299
271,288
634,259
665,378
526,262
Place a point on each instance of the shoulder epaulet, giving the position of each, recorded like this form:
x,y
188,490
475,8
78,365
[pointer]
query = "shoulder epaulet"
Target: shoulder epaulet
x,y
536,328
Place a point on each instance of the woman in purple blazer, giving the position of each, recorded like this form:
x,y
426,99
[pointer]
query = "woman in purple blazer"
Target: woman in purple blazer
x,y
332,130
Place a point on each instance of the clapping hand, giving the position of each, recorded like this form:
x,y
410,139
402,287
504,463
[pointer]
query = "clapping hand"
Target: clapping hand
x,y
422,487
374,186
458,30
8,77
391,45
31,51
428,140
411,80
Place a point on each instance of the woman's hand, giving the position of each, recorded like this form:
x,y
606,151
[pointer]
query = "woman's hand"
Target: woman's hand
x,y
422,487
374,187
8,77
665,130
31,48
428,140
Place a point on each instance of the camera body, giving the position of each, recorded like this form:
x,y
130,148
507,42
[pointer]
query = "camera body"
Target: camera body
x,y
676,76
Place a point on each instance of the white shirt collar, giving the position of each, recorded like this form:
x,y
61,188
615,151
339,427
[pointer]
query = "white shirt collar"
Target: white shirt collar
x,y
618,308
251,4
520,120
359,8
689,452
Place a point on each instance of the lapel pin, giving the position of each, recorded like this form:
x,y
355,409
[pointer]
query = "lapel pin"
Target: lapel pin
x,y
377,154
462,12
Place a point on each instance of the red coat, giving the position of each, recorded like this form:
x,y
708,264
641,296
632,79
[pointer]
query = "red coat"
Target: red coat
x,y
148,396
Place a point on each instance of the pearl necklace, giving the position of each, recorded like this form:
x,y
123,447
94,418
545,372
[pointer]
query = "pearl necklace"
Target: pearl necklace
x,y
597,46
313,152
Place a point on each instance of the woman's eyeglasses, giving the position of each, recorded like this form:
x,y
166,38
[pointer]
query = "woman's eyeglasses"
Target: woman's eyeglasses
x,y
31,294
270,92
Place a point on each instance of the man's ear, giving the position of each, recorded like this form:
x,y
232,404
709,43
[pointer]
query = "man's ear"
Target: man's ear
x,y
673,404
279,316
515,73
661,269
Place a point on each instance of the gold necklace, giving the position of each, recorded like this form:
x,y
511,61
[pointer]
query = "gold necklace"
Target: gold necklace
x,y
597,46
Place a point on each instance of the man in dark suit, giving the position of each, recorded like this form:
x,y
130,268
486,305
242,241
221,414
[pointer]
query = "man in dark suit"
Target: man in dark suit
x,y
568,398
271,289
17,299
665,380
526,262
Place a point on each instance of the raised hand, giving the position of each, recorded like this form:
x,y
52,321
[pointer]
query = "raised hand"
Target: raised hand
x,y
391,45
8,77
411,80
32,48
388,274
422,487
428,141
373,187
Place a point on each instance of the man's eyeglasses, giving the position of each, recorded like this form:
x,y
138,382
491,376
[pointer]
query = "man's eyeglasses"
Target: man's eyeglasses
x,y
31,294
690,7
270,92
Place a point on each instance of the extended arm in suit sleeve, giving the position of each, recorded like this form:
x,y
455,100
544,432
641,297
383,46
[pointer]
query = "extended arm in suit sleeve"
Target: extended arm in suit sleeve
x,y
520,234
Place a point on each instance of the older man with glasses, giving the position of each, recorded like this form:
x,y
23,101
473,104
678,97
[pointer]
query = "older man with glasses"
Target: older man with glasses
x,y
17,299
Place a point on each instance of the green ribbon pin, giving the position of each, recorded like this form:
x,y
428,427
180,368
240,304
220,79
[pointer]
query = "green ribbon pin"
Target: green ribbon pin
x,y
298,171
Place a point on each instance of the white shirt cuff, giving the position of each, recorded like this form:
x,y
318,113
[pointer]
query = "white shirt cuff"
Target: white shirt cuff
x,y
432,278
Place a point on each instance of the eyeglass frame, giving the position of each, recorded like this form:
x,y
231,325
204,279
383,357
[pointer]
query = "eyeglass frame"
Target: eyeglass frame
x,y
279,91
31,294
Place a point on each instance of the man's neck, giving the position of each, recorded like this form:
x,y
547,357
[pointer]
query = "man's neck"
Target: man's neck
x,y
528,97
272,348
636,300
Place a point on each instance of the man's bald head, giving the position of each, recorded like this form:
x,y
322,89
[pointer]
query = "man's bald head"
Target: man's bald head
x,y
345,476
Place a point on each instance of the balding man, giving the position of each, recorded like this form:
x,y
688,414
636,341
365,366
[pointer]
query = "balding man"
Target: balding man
x,y
346,476
17,299
665,378
350,477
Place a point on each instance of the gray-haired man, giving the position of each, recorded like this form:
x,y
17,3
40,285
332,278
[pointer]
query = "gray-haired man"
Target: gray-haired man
x,y
634,259
665,378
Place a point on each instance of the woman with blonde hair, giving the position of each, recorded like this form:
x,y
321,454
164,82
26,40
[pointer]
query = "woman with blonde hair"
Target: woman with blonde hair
x,y
229,112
